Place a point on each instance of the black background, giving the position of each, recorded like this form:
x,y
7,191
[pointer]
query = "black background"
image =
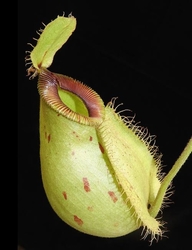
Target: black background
x,y
138,51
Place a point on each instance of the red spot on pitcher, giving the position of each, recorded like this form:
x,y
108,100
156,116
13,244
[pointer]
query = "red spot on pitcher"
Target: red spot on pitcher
x,y
113,196
78,220
65,195
101,148
86,184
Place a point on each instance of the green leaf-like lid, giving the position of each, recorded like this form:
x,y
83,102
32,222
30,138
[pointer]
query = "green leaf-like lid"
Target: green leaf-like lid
x,y
52,38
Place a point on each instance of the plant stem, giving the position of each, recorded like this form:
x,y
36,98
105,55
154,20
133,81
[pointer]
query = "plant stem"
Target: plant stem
x,y
169,177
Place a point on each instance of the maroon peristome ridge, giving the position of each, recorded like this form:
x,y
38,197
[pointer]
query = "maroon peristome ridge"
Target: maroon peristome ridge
x,y
48,83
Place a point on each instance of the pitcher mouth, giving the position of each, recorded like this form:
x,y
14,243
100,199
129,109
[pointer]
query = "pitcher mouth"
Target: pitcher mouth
x,y
71,98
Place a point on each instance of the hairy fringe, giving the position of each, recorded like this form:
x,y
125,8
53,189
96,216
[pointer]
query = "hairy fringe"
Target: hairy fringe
x,y
142,133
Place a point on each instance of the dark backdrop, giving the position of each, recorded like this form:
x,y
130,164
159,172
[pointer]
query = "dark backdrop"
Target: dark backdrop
x,y
139,51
